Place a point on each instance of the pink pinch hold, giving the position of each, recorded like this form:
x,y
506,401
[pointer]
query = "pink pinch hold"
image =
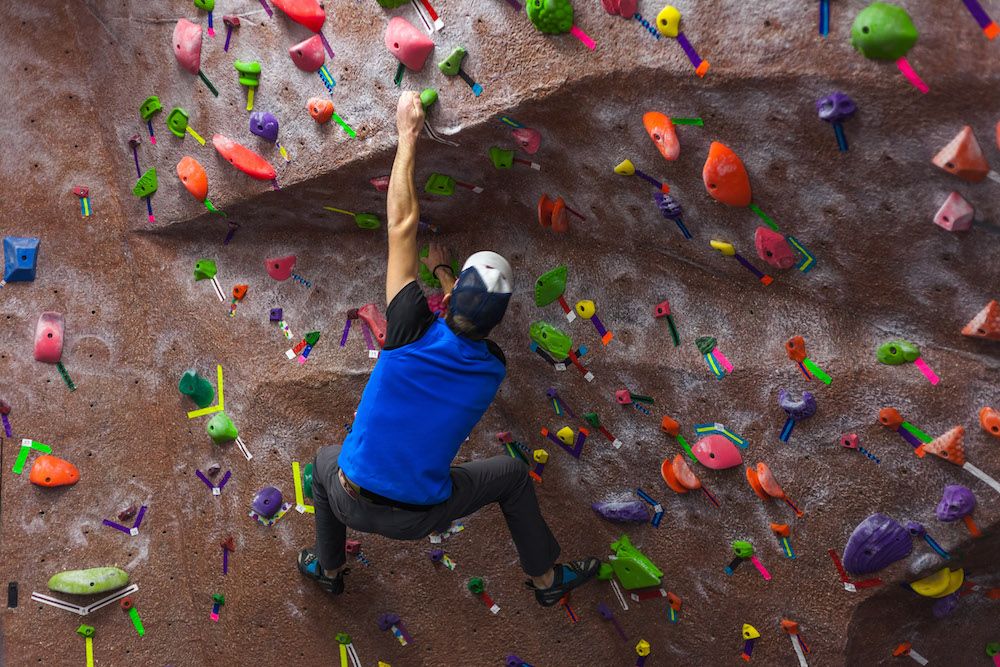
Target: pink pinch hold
x,y
955,215
49,337
187,45
773,248
410,46
309,55
528,139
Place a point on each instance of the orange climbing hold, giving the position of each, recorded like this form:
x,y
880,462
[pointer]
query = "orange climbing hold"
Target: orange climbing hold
x,y
670,426
193,176
986,324
243,158
963,157
890,417
948,446
320,109
989,419
53,471
304,12
725,176
796,348
661,130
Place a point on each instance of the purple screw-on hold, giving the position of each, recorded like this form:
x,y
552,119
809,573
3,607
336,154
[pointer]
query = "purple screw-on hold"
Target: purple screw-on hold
x,y
945,606
957,502
275,315
835,107
622,511
386,621
916,528
671,210
877,542
797,410
436,555
513,661
265,125
267,502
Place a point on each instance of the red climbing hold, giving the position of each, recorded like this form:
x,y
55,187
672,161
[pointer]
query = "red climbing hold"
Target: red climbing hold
x,y
986,324
280,268
243,158
309,55
303,12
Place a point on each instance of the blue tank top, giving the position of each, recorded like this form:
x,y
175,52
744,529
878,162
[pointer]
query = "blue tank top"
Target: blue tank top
x,y
420,404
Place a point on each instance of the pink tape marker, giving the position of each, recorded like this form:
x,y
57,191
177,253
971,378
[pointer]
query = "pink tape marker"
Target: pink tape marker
x,y
904,66
926,370
582,36
760,568
722,360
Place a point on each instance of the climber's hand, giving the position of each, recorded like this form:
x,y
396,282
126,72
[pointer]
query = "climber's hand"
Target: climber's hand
x,y
409,115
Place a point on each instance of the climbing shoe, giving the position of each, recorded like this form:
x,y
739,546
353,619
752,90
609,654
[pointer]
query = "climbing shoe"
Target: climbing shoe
x,y
309,566
567,577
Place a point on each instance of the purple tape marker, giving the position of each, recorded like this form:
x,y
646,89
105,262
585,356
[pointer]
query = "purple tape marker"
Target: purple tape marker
x,y
117,526
347,330
6,426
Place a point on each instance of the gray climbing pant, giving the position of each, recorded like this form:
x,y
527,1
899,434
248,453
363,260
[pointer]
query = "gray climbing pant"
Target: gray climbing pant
x,y
500,479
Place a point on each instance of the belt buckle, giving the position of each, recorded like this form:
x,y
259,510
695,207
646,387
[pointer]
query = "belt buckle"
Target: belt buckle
x,y
347,485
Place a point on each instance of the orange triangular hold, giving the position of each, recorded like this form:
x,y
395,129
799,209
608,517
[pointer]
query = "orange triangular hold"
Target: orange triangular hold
x,y
963,157
948,446
986,324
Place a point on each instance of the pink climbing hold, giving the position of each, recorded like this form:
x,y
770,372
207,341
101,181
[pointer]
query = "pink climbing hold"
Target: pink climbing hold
x,y
280,268
49,337
308,56
773,248
955,214
304,12
243,158
623,8
717,452
528,139
187,45
410,46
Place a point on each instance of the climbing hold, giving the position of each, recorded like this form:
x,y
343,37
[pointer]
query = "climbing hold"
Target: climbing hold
x,y
243,158
550,285
308,13
264,124
51,471
453,63
986,324
267,502
428,97
280,268
623,8
205,269
963,157
249,72
956,503
553,341
20,258
321,109
661,130
989,419
585,308
552,17
502,158
876,543
632,567
149,107
622,511
717,452
678,475
221,428
949,446
625,168
566,435
87,582
410,46
668,21
835,107
940,584
670,426
193,176
187,45
429,278
896,352
955,214
440,184
147,184
797,409
773,248
197,388
882,31
240,291
528,139
308,56
725,177
49,337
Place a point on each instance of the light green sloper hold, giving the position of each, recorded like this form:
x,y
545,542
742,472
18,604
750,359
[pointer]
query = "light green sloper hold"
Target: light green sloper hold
x,y
221,429
896,352
147,184
552,340
883,31
553,17
85,582
550,286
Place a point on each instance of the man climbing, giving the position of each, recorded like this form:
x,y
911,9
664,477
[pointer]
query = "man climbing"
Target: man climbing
x,y
432,383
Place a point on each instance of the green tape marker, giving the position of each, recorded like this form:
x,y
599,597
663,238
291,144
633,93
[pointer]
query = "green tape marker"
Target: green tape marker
x,y
921,436
133,613
816,370
763,216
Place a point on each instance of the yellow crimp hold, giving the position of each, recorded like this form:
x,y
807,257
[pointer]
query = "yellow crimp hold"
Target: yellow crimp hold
x,y
625,168
940,584
750,632
565,435
726,249
642,648
540,456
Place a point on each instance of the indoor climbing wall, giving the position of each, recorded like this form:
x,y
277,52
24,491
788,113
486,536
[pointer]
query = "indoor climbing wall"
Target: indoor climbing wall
x,y
827,195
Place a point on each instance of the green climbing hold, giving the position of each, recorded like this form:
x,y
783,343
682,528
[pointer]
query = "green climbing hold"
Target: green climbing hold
x,y
207,5
392,4
550,286
605,572
221,428
147,184
450,65
992,649
632,567
592,419
428,96
429,278
705,344
342,638
503,158
742,548
557,344
440,184
204,269
311,338
85,630
149,107
883,32
367,220
85,582
177,121
896,352
198,388
553,17
307,480
249,72
476,585
219,598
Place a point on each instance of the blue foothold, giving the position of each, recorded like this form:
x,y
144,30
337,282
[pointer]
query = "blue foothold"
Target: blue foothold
x,y
20,256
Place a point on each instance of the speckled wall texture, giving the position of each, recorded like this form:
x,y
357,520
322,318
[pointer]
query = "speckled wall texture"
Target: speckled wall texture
x,y
74,74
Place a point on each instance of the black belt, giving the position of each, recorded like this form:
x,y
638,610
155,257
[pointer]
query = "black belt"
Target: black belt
x,y
376,499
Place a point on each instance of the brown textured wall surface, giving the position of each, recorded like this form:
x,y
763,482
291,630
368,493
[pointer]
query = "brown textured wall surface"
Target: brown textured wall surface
x,y
74,74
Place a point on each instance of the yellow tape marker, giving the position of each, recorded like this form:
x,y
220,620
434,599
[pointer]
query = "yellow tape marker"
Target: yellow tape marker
x,y
196,136
300,501
213,408
343,655
90,651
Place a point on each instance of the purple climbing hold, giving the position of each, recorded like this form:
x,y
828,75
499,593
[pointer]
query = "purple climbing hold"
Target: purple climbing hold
x,y
945,605
386,621
957,502
916,529
267,502
264,125
622,511
797,410
835,107
669,206
877,542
